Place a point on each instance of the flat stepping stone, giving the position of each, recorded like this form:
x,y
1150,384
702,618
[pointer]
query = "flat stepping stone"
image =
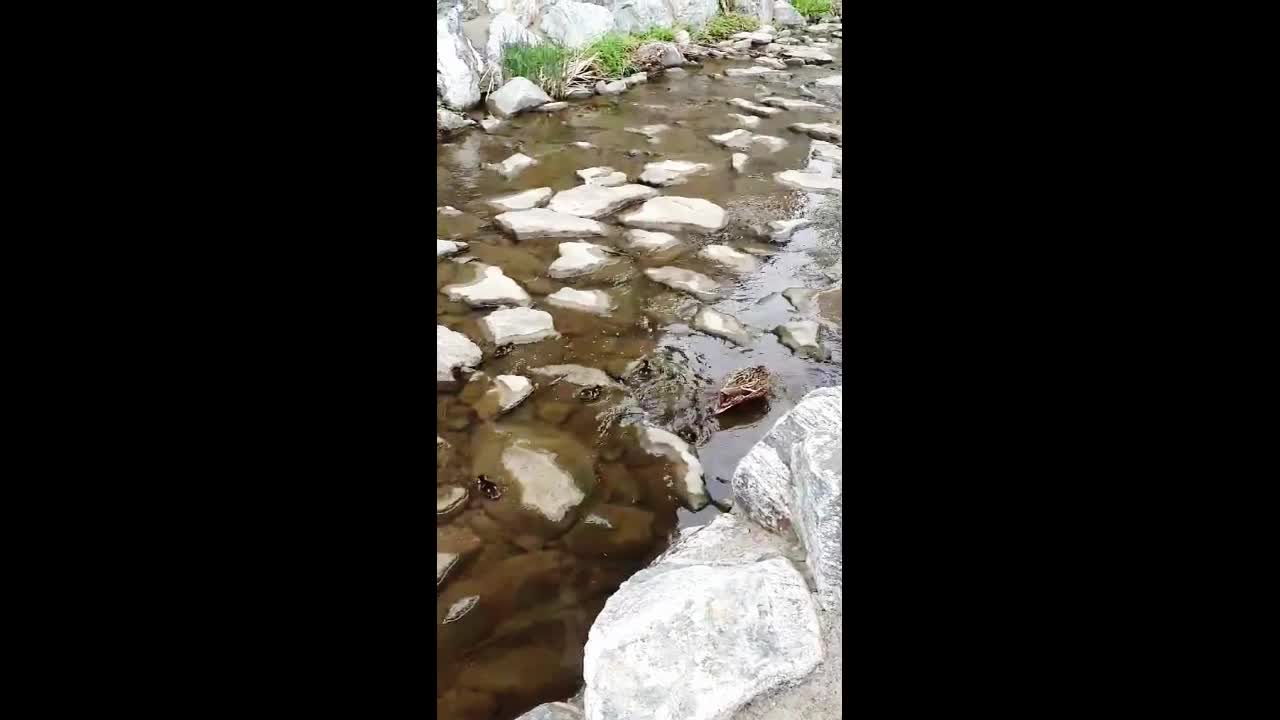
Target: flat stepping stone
x,y
817,55
769,62
513,165
754,108
576,375
749,121
449,500
758,71
792,104
726,256
672,172
491,289
819,131
827,152
445,248
780,231
603,176
718,324
594,201
802,337
595,302
542,222
674,213
694,283
454,350
518,326
510,391
525,200
645,241
739,162
579,258
744,140
810,182
831,81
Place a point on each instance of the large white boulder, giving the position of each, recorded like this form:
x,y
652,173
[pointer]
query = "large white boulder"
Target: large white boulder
x,y
516,95
458,65
637,15
454,350
507,28
574,24
694,13
784,14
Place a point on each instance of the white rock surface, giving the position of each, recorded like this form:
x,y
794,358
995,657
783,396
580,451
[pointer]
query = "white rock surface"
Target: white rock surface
x,y
784,14
454,350
781,230
576,374
810,182
518,326
771,63
574,24
517,95
831,81
801,336
579,258
754,108
650,131
827,152
553,711
674,213
458,65
513,165
794,104
596,302
672,172
448,121
689,485
718,324
694,283
511,390
814,54
524,200
817,476
541,222
747,121
445,248
616,87
603,176
445,563
595,201
726,256
739,162
819,131
492,288
507,28
646,242
758,71
544,485
697,642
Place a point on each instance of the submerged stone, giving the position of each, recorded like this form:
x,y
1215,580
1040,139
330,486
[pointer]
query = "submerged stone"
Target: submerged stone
x,y
513,165
596,302
579,258
718,324
736,261
645,241
694,283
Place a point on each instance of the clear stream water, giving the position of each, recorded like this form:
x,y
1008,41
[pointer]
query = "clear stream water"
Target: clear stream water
x,y
533,590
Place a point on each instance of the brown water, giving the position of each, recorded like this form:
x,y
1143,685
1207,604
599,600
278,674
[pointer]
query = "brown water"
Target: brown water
x,y
538,585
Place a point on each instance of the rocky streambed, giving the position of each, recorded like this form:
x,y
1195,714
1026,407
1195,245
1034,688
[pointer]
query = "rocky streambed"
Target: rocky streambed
x,y
601,268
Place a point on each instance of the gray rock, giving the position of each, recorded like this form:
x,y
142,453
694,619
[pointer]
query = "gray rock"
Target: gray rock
x,y
458,65
830,81
739,162
595,302
578,93
448,121
771,63
650,131
793,104
743,140
633,80
541,222
616,87
603,176
553,711
491,288
445,248
726,256
674,213
646,242
490,123
668,55
780,231
682,38
694,283
718,324
758,71
523,200
579,258
754,108
517,95
507,28
688,482
827,152
793,62
747,121
454,350
639,15
518,326
810,182
810,54
817,476
802,337
513,165
694,13
577,375
784,14
510,391
448,501
550,107
672,172
594,201
575,24
740,45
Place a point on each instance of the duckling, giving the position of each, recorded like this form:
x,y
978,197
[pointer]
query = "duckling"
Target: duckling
x,y
743,385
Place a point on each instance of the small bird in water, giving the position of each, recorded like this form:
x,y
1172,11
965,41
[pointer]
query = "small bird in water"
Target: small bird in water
x,y
488,488
743,385
588,394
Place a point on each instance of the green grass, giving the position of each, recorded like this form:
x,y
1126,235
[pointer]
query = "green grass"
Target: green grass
x,y
549,66
812,9
721,27
613,54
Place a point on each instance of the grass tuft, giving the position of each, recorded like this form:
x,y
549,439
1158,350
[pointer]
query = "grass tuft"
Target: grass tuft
x,y
812,9
721,27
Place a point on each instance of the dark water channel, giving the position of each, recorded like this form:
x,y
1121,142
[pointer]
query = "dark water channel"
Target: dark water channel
x,y
515,606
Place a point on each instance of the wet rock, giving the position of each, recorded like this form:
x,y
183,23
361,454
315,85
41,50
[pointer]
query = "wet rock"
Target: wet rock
x,y
785,15
806,92
575,24
449,500
810,54
492,288
644,241
830,81
448,122
449,211
577,375
536,197
744,140
758,71
753,108
748,121
445,248
579,93
511,390
718,324
650,131
596,302
579,258
827,152
454,350
633,80
518,326
647,656
802,337
513,165
490,124
552,711
458,65
603,176
444,563
809,182
694,283
616,87
672,172
594,201
688,483
726,256
793,62
541,222
739,162
676,72
583,145
545,472
674,213
550,107
819,131
771,63
774,49
792,104
612,531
